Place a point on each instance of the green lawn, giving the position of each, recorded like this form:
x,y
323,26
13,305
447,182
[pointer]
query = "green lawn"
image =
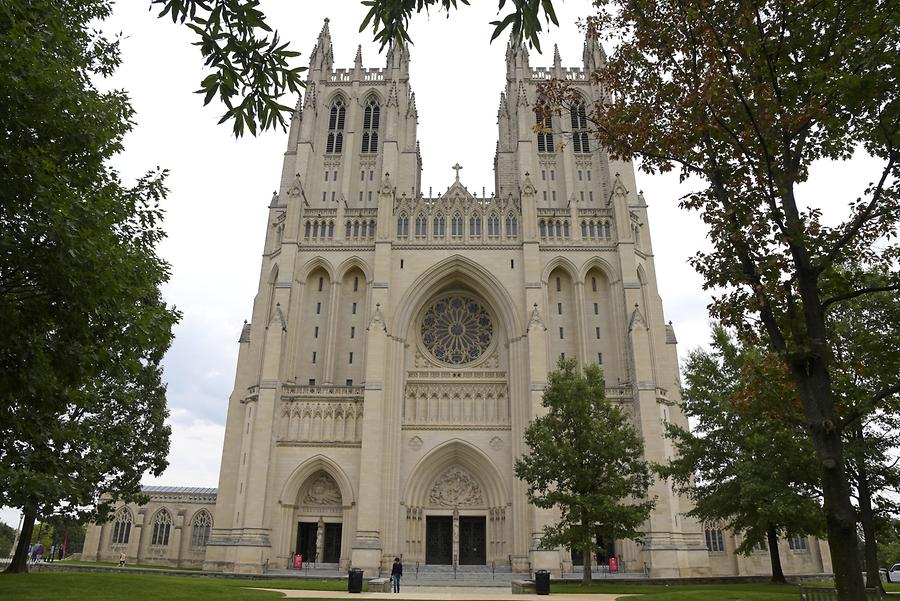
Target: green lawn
x,y
84,586
693,592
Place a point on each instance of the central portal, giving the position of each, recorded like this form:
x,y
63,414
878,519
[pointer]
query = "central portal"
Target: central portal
x,y
472,541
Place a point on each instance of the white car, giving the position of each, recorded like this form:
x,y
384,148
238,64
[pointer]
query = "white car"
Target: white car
x,y
893,575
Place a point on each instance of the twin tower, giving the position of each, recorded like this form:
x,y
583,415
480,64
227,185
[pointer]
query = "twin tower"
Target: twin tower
x,y
400,343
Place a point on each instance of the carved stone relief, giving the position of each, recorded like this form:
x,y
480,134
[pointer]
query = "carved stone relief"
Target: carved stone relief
x,y
323,491
455,488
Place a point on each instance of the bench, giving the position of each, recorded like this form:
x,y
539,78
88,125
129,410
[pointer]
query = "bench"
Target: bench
x,y
523,587
821,593
380,585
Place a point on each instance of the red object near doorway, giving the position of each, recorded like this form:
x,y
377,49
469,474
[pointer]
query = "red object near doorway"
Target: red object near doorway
x,y
613,564
298,561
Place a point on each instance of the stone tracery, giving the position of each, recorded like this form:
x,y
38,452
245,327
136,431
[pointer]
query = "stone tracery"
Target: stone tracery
x,y
457,329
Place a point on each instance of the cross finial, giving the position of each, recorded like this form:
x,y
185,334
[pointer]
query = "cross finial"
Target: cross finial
x,y
456,168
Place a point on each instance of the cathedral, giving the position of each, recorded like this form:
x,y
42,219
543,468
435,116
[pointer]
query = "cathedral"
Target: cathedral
x,y
400,343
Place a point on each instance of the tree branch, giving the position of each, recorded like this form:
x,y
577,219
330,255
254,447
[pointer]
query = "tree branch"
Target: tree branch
x,y
859,292
862,409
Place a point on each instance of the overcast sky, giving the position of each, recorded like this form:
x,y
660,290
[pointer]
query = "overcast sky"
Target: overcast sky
x,y
220,187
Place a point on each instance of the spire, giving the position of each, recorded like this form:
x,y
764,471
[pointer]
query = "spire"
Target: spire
x,y
398,60
594,56
504,108
516,58
557,61
321,58
358,64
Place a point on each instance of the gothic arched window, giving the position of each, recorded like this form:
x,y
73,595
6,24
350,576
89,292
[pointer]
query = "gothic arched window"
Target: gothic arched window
x,y
558,229
162,524
579,128
336,126
543,227
512,226
474,225
200,527
584,229
365,227
372,229
566,229
307,229
421,226
438,229
330,229
493,226
606,227
456,226
349,230
544,127
122,527
402,226
370,126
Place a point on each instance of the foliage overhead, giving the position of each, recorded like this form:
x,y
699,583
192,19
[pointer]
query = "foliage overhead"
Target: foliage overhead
x,y
249,63
82,402
390,18
598,480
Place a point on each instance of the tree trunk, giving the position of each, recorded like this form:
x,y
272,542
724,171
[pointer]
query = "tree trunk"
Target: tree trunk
x,y
814,388
866,517
775,555
586,577
19,563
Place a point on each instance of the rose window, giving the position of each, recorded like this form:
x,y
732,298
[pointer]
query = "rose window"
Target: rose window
x,y
456,329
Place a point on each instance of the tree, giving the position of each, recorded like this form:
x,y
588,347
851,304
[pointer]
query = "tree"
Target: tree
x,y
745,96
747,463
862,364
82,403
598,480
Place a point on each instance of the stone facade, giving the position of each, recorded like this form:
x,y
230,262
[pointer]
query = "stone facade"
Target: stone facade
x,y
171,530
400,342
348,370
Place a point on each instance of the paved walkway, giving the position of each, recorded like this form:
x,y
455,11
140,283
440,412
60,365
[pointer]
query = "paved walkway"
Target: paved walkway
x,y
443,593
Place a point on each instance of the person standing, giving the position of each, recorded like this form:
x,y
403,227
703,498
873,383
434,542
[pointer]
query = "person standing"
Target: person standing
x,y
396,574
122,558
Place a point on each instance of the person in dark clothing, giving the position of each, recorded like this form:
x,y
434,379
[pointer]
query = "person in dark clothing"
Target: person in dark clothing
x,y
396,574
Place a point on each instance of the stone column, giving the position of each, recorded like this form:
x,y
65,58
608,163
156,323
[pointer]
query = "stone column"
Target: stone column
x,y
320,541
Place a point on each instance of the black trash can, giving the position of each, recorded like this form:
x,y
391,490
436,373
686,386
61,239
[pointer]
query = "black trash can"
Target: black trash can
x,y
354,580
542,582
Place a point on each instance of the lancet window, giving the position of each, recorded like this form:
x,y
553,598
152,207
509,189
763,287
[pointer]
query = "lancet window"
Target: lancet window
x,y
544,128
200,527
421,226
456,226
122,527
578,117
402,226
162,525
438,229
512,226
336,118
474,225
493,226
371,117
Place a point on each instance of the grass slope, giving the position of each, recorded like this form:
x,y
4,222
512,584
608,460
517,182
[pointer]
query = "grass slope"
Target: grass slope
x,y
144,587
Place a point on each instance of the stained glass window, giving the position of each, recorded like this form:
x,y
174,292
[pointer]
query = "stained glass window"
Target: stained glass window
x,y
456,329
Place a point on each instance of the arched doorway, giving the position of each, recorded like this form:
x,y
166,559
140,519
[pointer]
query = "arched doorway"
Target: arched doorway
x,y
319,520
456,508
318,515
